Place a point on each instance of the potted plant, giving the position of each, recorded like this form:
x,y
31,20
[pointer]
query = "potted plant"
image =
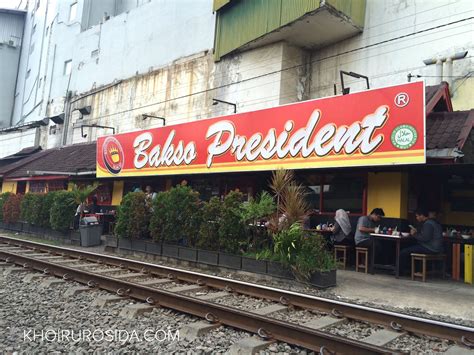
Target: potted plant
x,y
132,220
208,241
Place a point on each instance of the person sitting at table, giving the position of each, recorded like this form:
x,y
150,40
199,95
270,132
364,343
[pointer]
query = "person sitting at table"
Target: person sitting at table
x,y
94,207
342,229
428,241
365,226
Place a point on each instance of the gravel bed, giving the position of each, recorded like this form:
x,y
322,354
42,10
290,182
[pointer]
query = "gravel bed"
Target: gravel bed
x,y
414,344
298,316
286,285
243,302
27,309
353,330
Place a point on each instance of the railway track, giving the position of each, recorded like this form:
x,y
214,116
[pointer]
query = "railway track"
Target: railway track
x,y
150,283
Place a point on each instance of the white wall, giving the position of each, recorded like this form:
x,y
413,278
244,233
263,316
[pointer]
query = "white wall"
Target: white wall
x,y
390,63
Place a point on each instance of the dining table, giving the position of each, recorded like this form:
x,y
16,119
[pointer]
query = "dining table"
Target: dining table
x,y
397,240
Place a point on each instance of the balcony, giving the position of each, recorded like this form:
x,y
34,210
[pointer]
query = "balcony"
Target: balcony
x,y
312,24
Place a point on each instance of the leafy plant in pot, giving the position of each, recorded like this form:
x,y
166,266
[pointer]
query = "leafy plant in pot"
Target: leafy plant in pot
x,y
90,235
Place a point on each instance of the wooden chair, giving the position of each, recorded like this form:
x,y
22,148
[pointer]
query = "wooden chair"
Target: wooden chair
x,y
425,258
341,253
362,253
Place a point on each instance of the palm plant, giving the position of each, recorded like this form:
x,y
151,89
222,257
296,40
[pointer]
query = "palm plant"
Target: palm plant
x,y
294,204
281,178
80,194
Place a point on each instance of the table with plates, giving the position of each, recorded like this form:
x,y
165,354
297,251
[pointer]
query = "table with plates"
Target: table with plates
x,y
397,239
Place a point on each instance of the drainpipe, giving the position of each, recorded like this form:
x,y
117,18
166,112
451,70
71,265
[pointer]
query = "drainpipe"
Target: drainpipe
x,y
449,71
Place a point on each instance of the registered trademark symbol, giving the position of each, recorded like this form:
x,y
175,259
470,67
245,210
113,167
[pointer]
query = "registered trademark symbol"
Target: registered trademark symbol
x,y
402,99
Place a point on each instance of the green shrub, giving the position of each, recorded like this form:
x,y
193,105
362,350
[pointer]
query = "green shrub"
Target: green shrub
x,y
11,208
133,216
287,243
3,198
28,204
44,205
232,234
211,219
176,215
62,211
313,256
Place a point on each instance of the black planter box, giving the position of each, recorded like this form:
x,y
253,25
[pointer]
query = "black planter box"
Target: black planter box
x,y
27,228
279,270
125,243
37,230
323,279
138,245
254,265
188,254
208,257
111,241
230,261
153,248
170,250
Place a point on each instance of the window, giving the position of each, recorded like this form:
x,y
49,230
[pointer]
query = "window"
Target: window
x,y
67,67
57,185
328,193
72,12
37,186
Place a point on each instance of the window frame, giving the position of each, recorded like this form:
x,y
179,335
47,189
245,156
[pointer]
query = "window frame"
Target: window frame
x,y
71,12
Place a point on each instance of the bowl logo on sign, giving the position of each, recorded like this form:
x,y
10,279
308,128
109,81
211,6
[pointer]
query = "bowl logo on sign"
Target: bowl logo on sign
x,y
404,136
112,154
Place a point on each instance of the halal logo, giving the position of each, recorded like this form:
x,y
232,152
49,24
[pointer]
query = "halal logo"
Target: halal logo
x,y
404,136
112,154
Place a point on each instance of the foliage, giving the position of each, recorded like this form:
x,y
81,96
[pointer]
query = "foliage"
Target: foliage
x,y
232,234
287,243
256,209
80,194
281,178
43,209
28,204
176,215
133,216
62,210
313,256
305,254
11,208
209,230
294,204
3,198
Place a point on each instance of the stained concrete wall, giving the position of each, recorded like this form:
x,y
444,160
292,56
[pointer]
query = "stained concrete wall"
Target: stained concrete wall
x,y
11,33
390,63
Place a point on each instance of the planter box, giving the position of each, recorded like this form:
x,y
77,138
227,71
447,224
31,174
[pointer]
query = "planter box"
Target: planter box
x,y
111,241
254,265
138,245
323,279
208,257
153,248
37,230
125,243
279,270
170,250
27,228
188,254
230,261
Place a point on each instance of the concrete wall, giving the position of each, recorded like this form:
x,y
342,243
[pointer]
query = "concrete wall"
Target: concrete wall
x,y
391,62
11,34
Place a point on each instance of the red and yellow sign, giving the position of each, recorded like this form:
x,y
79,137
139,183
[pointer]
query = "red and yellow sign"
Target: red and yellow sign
x,y
375,127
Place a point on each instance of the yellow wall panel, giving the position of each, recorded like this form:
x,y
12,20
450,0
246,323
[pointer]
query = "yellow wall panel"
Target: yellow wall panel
x,y
388,191
117,192
9,186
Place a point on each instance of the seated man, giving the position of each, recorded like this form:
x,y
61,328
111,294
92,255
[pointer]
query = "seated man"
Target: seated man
x,y
365,226
429,240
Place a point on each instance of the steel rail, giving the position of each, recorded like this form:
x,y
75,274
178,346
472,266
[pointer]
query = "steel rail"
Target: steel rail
x,y
274,329
397,321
